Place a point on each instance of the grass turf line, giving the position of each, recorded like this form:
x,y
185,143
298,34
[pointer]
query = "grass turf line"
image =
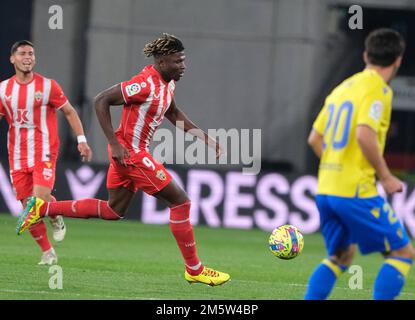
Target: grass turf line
x,y
131,260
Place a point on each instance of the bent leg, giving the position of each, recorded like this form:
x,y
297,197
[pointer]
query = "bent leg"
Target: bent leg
x,y
340,252
324,277
119,199
182,230
38,230
114,209
23,183
82,209
57,223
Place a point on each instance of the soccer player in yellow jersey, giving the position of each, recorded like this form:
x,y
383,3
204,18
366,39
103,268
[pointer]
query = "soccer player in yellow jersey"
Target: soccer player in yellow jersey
x,y
349,138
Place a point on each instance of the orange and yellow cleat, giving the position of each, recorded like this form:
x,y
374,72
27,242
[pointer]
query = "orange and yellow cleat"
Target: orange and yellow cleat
x,y
208,276
30,215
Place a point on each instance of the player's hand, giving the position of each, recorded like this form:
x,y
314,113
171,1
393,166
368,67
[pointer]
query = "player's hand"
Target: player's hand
x,y
391,184
219,151
214,145
119,153
85,151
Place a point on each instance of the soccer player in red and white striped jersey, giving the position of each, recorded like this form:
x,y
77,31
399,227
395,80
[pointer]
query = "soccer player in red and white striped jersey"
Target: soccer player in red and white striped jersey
x,y
147,98
29,102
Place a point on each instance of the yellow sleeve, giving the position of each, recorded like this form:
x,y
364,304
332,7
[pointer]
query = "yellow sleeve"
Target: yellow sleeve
x,y
320,123
370,109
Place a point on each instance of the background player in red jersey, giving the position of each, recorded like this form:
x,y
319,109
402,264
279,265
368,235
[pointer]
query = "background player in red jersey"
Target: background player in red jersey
x,y
29,102
146,98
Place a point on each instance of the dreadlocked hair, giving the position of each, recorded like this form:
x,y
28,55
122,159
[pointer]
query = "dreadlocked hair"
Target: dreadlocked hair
x,y
163,46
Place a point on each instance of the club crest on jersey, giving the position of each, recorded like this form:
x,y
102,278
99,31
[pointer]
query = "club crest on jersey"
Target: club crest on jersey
x,y
376,110
161,175
38,96
47,173
132,89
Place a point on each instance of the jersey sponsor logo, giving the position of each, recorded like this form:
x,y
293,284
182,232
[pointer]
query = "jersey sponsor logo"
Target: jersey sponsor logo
x,y
38,96
161,175
376,110
132,89
22,116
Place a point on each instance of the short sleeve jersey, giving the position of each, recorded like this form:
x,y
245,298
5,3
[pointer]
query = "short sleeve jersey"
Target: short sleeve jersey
x,y
147,97
363,99
30,110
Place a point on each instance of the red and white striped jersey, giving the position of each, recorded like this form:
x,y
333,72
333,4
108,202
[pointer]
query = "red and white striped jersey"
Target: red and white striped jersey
x,y
147,97
30,110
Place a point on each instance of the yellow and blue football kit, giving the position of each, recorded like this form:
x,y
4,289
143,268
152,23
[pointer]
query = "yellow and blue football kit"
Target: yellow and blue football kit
x,y
351,211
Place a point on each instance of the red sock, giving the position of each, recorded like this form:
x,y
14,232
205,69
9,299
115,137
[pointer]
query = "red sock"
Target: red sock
x,y
183,232
84,209
39,233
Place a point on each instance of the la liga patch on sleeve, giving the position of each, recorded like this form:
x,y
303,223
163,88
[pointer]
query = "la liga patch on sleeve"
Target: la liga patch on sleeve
x,y
376,110
132,89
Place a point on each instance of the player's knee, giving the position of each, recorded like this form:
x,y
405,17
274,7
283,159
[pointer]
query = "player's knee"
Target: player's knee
x,y
407,252
110,213
344,257
181,200
342,261
180,212
44,196
117,207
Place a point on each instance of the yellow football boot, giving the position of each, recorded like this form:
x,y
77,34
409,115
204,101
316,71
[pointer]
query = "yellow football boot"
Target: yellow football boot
x,y
208,276
30,214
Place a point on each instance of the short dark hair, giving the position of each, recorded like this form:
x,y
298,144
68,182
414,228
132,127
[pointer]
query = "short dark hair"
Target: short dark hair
x,y
383,46
20,43
163,46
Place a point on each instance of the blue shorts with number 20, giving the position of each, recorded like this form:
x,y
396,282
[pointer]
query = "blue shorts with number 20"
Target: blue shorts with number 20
x,y
369,222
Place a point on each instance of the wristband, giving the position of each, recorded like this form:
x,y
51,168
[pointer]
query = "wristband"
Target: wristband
x,y
81,139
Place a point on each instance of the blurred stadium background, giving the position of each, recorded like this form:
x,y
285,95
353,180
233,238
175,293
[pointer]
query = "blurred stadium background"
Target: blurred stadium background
x,y
251,64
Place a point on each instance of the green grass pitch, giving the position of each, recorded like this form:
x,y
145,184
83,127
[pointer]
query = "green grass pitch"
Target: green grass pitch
x,y
130,260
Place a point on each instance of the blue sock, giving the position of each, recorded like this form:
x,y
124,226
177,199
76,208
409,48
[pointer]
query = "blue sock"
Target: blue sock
x,y
391,278
323,279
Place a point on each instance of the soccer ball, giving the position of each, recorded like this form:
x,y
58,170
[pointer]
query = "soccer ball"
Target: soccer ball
x,y
286,242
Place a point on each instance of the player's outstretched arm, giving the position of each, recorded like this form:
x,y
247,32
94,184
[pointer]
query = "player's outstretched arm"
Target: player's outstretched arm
x,y
177,117
76,125
110,97
367,140
315,140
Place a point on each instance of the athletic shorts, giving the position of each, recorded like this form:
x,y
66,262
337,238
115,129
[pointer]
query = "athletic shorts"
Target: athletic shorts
x,y
369,222
142,172
23,180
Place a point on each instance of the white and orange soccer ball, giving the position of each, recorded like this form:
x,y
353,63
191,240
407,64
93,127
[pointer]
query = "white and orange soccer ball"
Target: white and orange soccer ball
x,y
286,242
